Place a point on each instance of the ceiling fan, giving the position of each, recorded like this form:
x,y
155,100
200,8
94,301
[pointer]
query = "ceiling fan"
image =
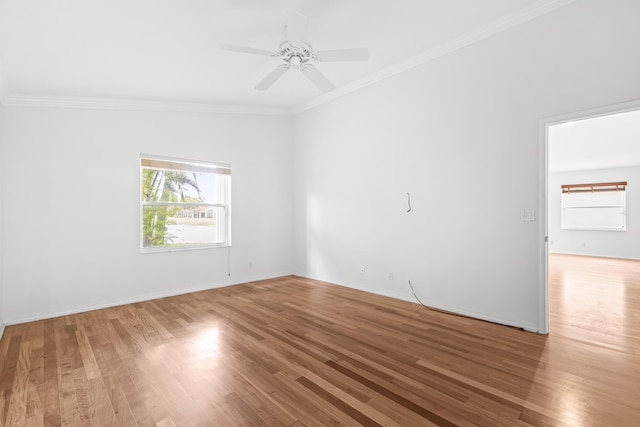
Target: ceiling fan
x,y
296,52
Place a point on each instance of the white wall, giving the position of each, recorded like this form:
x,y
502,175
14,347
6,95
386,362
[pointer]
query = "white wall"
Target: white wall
x,y
461,134
616,244
70,205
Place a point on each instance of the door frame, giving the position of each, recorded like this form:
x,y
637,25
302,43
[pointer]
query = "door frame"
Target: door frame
x,y
543,193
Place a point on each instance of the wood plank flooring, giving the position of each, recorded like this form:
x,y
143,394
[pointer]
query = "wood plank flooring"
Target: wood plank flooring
x,y
297,352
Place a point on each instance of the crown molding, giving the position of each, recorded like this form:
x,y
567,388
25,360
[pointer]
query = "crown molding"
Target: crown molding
x,y
505,23
16,100
539,8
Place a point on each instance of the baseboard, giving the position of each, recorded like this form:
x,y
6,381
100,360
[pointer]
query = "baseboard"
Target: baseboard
x,y
1,330
144,297
595,256
182,291
435,305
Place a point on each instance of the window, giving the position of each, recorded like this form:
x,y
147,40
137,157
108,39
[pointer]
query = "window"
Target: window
x,y
184,204
594,206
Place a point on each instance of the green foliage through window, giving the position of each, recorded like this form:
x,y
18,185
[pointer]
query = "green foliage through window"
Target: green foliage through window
x,y
184,204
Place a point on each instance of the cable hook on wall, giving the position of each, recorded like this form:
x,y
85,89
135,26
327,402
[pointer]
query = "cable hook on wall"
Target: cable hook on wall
x,y
409,201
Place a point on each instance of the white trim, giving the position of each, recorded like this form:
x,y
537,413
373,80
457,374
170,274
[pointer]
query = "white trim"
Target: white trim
x,y
437,306
211,168
17,100
505,23
145,297
2,90
3,86
2,96
592,113
543,228
595,256
539,8
543,175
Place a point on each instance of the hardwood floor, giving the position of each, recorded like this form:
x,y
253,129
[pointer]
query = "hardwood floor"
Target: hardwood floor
x,y
296,352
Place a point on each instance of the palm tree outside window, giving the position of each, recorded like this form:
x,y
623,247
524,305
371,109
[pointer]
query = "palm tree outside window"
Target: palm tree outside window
x,y
184,204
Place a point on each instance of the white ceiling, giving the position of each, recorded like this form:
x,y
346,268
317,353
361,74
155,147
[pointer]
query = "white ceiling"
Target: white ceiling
x,y
167,50
609,141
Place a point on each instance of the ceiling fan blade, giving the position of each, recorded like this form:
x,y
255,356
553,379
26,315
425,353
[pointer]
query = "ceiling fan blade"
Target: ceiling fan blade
x,y
356,54
246,49
317,78
296,28
272,77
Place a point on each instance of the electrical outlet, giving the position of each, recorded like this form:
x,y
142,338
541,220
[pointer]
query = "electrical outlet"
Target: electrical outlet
x,y
250,265
361,270
392,276
527,215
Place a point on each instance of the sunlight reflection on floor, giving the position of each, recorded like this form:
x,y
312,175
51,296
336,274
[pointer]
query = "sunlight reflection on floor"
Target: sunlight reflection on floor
x,y
207,343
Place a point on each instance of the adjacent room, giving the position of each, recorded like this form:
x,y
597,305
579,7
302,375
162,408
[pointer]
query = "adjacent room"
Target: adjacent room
x,y
593,165
298,213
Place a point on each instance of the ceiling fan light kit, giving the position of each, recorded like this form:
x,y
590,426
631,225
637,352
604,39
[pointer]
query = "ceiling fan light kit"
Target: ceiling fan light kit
x,y
296,52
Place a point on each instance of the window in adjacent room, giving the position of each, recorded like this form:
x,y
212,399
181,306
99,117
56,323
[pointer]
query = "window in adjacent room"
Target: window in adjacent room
x,y
184,204
594,206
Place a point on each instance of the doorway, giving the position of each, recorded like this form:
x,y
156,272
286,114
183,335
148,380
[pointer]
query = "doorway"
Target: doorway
x,y
593,147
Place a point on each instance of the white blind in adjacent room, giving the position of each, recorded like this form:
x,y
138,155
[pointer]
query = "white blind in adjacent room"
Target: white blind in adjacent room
x,y
594,206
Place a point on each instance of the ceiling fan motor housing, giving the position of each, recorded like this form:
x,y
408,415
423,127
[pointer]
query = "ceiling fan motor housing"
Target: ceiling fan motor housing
x,y
296,57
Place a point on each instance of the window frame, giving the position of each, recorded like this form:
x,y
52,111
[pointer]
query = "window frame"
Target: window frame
x,y
197,166
593,190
